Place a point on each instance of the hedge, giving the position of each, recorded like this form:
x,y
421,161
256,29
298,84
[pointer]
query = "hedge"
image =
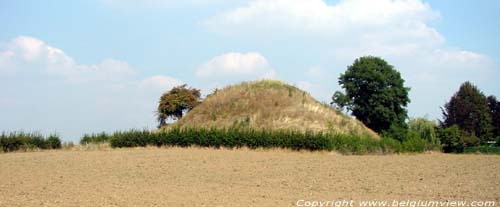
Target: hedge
x,y
14,141
246,137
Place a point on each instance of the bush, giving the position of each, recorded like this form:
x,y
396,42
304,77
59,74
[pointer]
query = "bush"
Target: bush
x,y
53,142
10,142
470,140
94,138
451,138
14,141
414,143
483,149
236,137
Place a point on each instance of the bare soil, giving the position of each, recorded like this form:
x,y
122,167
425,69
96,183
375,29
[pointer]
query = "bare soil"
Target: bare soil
x,y
209,177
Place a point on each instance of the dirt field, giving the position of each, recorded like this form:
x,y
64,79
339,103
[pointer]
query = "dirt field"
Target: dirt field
x,y
207,177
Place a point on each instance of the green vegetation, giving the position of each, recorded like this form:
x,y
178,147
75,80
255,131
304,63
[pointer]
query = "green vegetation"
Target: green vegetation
x,y
237,137
95,138
425,129
470,121
468,109
376,95
483,150
176,102
494,106
14,141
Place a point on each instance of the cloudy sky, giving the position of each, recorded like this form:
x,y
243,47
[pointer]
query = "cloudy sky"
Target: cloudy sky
x,y
100,65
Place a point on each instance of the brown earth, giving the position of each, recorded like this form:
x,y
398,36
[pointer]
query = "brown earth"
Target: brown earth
x,y
208,177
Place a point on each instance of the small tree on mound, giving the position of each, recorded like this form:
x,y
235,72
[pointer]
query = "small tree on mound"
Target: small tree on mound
x,y
174,103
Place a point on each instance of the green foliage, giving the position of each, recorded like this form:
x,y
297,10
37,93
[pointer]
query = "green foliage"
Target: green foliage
x,y
53,142
340,100
14,141
451,138
375,93
236,137
94,138
397,131
470,140
425,128
483,149
176,102
494,107
413,143
469,110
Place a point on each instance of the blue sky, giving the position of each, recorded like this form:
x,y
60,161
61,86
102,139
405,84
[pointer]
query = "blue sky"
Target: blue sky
x,y
100,65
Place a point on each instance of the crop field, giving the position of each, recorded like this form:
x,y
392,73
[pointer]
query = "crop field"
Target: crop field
x,y
209,177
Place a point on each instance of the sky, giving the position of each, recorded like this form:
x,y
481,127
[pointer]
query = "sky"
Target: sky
x,y
75,67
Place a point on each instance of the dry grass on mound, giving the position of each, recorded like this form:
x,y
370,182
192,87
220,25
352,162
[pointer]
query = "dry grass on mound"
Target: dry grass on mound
x,y
270,104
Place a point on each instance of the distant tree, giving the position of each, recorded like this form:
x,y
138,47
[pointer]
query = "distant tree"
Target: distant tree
x,y
494,106
176,102
426,129
468,109
376,95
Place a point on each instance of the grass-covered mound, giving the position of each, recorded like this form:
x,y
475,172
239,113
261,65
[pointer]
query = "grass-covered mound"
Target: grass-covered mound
x,y
270,105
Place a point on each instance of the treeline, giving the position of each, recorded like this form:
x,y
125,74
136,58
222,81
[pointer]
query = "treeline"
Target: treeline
x,y
14,141
470,120
374,92
236,137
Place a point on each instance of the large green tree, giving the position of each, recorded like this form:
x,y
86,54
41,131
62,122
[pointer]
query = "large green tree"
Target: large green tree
x,y
468,109
375,93
494,106
174,103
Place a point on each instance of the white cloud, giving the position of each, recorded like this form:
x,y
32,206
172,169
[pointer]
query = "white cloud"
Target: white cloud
x,y
345,19
233,64
161,82
44,89
396,30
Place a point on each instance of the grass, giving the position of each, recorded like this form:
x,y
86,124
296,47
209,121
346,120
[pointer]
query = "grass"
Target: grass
x,y
270,105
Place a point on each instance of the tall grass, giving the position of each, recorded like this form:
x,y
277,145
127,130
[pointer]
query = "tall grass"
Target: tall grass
x,y
236,137
14,141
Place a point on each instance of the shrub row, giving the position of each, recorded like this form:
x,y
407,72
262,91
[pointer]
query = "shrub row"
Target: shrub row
x,y
22,141
483,150
251,138
94,138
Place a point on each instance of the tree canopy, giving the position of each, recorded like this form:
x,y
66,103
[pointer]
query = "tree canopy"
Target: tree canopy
x,y
494,106
468,109
375,93
425,128
174,103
